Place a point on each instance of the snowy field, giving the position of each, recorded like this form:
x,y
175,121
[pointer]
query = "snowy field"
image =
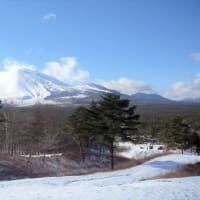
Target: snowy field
x,y
138,151
117,185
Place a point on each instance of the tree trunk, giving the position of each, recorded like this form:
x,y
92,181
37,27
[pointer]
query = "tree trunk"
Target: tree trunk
x,y
44,157
112,155
82,154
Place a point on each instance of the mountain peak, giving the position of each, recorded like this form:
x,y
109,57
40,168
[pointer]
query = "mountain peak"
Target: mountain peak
x,y
151,96
27,84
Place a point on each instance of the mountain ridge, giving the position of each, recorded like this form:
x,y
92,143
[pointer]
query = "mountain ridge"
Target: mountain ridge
x,y
27,87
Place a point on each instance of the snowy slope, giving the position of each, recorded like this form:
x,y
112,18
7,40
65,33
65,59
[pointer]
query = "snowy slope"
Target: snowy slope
x,y
122,185
28,86
137,151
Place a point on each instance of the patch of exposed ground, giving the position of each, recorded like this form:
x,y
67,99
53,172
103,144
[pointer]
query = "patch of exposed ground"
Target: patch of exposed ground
x,y
69,163
186,171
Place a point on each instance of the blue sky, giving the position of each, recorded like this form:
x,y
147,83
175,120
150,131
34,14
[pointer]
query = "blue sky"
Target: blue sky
x,y
130,45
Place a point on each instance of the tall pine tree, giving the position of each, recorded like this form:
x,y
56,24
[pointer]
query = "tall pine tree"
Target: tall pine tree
x,y
103,122
113,118
76,127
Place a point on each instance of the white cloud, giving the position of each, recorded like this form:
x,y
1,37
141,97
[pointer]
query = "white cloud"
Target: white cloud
x,y
195,56
128,86
182,90
12,64
49,16
66,70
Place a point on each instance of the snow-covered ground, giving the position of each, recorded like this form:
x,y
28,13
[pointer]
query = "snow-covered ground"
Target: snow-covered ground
x,y
137,151
122,184
42,155
130,150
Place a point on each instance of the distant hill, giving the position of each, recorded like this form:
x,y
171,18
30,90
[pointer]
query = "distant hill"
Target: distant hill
x,y
191,100
24,87
142,98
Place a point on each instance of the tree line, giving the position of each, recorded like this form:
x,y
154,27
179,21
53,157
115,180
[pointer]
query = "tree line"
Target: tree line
x,y
96,127
102,123
34,130
113,119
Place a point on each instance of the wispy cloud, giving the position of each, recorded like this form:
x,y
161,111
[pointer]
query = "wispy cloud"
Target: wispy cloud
x,y
195,56
128,86
66,70
182,89
12,64
49,16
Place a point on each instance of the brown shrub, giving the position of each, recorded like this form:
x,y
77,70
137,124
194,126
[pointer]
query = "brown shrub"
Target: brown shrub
x,y
15,167
134,162
188,170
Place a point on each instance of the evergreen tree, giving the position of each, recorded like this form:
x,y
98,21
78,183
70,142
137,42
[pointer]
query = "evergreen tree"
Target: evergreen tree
x,y
76,126
114,118
195,141
178,134
102,123
181,134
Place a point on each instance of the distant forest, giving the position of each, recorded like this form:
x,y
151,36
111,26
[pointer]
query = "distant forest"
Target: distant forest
x,y
42,128
157,116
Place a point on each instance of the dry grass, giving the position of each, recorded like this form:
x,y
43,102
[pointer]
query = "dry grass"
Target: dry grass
x,y
134,162
15,167
188,170
125,163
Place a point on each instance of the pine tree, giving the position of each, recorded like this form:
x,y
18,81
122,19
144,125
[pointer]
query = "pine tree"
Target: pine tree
x,y
180,131
102,123
177,134
194,141
76,126
114,118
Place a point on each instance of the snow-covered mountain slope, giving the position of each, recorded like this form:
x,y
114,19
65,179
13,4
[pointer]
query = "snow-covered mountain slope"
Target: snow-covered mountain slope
x,y
120,185
80,94
92,87
28,86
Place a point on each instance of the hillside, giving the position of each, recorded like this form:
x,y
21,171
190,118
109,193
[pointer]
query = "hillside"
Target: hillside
x,y
124,184
26,87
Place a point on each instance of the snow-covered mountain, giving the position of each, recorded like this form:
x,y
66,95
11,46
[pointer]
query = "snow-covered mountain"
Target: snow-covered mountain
x,y
28,86
79,94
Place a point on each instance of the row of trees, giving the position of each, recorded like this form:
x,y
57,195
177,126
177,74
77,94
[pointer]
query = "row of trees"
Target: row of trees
x,y
104,122
35,130
180,134
113,119
45,129
155,118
